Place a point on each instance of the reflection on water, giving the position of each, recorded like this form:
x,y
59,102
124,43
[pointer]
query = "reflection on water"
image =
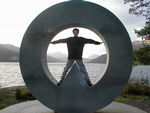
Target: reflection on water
x,y
10,74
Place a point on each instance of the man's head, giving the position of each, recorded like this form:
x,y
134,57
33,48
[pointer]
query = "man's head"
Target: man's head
x,y
75,31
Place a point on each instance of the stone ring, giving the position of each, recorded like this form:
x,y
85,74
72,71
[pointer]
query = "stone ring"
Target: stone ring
x,y
42,30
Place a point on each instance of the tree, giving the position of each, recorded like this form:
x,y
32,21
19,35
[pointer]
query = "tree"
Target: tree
x,y
142,56
144,34
141,8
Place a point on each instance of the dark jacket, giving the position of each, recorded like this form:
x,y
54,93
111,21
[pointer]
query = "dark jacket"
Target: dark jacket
x,y
75,46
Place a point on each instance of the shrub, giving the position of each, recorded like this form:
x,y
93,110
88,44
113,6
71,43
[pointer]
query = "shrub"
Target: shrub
x,y
142,56
4,93
24,94
2,106
137,87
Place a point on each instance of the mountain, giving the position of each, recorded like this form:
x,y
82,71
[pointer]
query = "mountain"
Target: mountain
x,y
10,47
63,57
86,60
139,44
9,53
99,59
93,56
103,58
51,59
59,56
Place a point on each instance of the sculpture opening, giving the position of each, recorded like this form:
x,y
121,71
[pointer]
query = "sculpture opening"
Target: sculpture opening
x,y
94,57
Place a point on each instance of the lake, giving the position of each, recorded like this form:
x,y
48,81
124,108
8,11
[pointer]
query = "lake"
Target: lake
x,y
10,74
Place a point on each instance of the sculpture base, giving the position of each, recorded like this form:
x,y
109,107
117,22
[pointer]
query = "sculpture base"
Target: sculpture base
x,y
37,107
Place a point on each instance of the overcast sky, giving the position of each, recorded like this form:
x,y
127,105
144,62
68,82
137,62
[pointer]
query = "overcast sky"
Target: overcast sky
x,y
16,15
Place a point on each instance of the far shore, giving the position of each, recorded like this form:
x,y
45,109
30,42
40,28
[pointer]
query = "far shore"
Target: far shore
x,y
14,87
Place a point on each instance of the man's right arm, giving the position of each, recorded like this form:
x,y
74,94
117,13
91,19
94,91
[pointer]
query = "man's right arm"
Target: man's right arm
x,y
59,41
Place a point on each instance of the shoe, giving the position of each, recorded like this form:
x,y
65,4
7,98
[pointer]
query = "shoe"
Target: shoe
x,y
90,84
59,83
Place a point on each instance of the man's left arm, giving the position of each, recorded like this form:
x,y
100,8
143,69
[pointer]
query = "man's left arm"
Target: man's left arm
x,y
90,41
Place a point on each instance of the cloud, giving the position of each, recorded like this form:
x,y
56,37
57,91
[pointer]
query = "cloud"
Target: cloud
x,y
16,16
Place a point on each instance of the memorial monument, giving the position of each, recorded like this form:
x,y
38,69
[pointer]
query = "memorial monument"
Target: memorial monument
x,y
74,95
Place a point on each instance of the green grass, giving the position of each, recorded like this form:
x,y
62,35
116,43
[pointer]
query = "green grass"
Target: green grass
x,y
2,106
128,98
135,89
138,97
7,94
122,99
10,96
23,94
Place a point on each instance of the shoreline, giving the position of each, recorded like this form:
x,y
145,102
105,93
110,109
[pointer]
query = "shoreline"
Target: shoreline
x,y
14,87
131,78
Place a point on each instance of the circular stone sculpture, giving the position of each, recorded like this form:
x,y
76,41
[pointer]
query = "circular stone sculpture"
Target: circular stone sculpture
x,y
75,99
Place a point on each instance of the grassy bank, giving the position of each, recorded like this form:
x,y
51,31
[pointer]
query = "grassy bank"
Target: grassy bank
x,y
136,93
10,96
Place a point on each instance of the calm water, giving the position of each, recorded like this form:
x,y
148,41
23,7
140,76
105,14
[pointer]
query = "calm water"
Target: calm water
x,y
10,74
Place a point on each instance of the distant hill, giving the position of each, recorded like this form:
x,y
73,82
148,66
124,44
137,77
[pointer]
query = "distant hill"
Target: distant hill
x,y
86,60
9,53
59,56
63,57
93,56
51,59
139,44
103,58
99,59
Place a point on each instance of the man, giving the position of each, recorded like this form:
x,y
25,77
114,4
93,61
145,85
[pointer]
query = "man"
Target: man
x,y
75,46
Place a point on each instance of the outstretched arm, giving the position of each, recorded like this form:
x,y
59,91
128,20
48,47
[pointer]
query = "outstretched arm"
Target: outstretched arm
x,y
90,41
59,41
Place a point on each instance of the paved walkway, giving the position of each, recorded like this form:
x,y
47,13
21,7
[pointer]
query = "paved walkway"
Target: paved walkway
x,y
37,107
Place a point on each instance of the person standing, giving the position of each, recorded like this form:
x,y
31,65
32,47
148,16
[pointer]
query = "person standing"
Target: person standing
x,y
75,47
